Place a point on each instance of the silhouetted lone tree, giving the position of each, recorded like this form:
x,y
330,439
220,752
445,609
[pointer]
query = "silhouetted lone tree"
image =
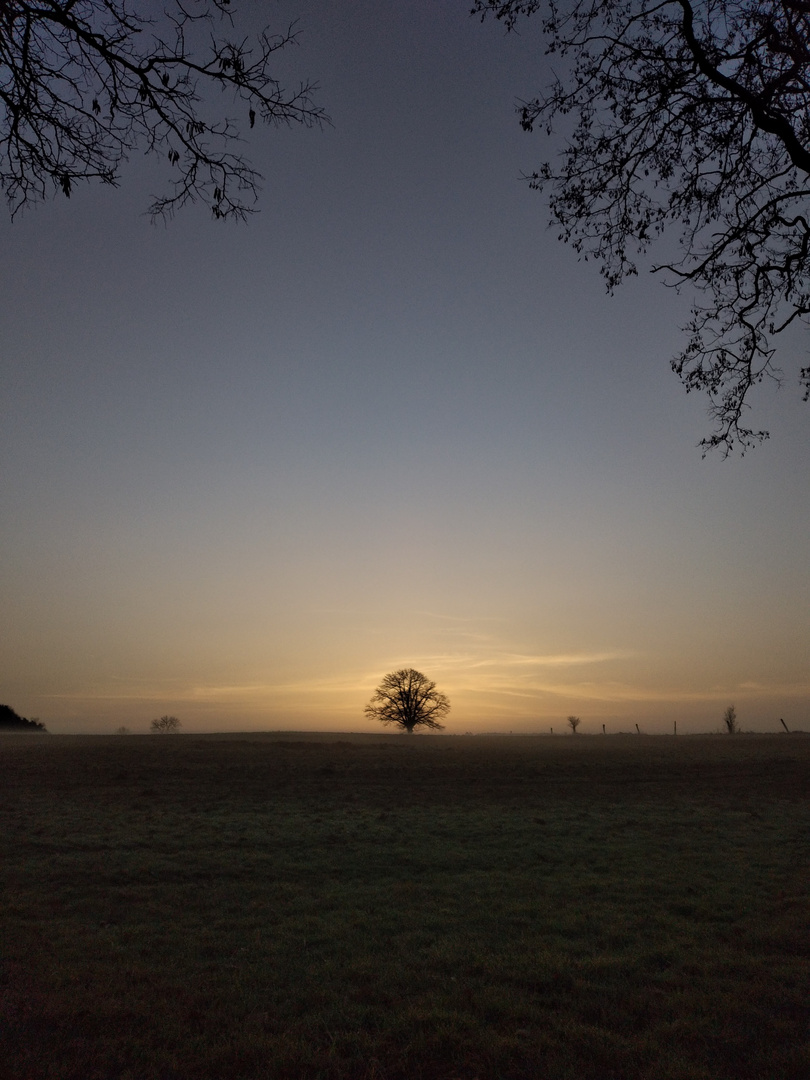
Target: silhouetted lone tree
x,y
730,720
410,700
166,725
692,114
85,82
12,721
573,723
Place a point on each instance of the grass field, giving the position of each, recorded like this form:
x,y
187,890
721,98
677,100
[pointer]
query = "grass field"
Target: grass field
x,y
284,906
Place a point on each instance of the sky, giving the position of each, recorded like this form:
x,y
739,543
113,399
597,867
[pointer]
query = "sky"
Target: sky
x,y
391,421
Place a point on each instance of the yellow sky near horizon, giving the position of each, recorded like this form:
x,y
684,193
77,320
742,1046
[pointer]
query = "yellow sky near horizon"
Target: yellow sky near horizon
x,y
642,618
516,692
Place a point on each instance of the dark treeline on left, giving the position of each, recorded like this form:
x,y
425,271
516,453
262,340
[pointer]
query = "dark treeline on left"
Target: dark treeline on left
x,y
11,721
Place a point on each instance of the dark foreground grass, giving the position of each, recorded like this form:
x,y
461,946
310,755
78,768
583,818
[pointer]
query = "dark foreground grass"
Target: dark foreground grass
x,y
237,908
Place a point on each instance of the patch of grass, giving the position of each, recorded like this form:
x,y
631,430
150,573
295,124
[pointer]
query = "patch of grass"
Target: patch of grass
x,y
385,907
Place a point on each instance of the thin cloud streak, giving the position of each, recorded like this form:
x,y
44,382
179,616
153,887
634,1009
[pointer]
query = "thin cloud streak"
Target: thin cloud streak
x,y
562,659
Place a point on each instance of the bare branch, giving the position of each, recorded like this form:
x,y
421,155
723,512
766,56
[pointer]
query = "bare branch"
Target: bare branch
x,y
694,115
85,82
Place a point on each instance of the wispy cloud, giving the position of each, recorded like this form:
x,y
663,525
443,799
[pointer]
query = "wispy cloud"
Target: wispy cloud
x,y
479,680
483,659
560,659
500,672
462,619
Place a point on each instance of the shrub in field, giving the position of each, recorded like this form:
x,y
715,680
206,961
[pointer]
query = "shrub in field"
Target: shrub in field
x,y
730,720
573,723
166,725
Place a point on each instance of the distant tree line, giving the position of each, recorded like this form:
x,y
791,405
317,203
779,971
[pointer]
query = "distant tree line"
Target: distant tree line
x,y
12,721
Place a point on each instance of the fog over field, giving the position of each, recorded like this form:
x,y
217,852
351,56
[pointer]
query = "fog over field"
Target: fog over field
x,y
248,469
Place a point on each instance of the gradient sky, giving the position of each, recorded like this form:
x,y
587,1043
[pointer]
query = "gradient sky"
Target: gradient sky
x,y
391,421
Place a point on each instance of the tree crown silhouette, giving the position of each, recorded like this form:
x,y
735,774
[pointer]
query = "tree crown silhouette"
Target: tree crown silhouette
x,y
85,82
166,725
408,699
12,721
693,114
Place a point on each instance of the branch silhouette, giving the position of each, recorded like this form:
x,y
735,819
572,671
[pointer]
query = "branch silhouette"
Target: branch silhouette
x,y
693,116
83,83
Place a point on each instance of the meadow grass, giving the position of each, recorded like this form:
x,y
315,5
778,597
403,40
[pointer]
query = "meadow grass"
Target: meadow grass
x,y
327,906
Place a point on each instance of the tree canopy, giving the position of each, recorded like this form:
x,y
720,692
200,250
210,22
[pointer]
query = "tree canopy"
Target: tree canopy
x,y
166,725
85,82
408,699
693,114
12,721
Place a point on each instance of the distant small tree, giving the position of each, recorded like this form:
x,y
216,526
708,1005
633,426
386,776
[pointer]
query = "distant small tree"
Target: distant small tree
x,y
573,723
730,720
124,730
166,725
408,699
